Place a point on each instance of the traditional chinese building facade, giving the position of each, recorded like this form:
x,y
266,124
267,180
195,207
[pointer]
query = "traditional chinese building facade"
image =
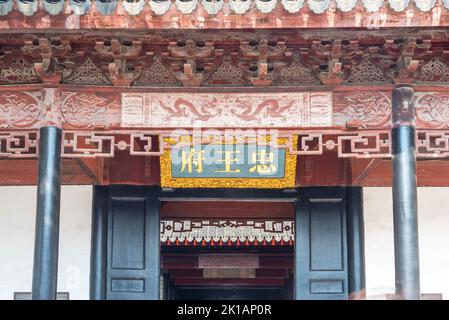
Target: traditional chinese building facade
x,y
329,97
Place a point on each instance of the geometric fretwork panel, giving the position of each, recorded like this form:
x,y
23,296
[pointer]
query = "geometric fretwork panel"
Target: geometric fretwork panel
x,y
352,144
432,144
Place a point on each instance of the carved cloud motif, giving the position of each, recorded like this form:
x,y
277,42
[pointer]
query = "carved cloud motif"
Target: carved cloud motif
x,y
84,110
432,109
19,109
370,109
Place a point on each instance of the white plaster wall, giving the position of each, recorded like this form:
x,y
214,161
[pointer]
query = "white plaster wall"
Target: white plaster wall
x,y
17,219
433,215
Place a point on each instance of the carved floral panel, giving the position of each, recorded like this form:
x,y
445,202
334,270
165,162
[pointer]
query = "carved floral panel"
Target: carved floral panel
x,y
432,109
84,109
19,109
368,109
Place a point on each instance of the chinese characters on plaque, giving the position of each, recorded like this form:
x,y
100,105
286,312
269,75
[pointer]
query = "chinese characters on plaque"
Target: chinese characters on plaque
x,y
227,161
227,165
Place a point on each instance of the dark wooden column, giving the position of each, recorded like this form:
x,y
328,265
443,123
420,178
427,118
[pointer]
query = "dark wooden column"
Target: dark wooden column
x,y
99,241
356,242
405,195
45,267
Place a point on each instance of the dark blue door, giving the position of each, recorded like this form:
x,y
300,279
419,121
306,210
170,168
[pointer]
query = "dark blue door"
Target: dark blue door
x,y
321,244
133,260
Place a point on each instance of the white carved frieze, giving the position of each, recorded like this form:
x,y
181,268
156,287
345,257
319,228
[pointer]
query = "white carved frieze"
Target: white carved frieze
x,y
222,110
432,109
19,109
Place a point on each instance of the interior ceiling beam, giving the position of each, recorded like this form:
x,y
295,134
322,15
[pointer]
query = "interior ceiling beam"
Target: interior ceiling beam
x,y
199,273
192,261
282,195
265,282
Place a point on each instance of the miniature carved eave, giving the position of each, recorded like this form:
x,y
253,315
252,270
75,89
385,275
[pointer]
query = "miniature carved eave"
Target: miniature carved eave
x,y
227,232
221,14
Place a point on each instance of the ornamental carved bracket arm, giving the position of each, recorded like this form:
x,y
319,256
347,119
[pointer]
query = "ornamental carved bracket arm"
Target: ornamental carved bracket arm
x,y
334,54
264,52
119,72
193,63
50,53
408,54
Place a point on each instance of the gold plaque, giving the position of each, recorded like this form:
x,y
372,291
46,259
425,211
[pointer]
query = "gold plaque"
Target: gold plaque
x,y
192,172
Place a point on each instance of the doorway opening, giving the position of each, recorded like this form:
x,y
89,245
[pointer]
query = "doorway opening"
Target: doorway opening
x,y
227,250
149,243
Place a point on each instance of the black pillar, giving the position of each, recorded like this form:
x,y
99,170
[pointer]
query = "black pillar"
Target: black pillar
x,y
405,211
98,252
45,267
356,242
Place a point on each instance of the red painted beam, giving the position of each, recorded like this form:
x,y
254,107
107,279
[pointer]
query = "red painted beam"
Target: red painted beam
x,y
199,273
191,261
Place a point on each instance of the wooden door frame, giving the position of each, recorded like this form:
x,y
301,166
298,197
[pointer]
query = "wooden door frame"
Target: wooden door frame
x,y
99,246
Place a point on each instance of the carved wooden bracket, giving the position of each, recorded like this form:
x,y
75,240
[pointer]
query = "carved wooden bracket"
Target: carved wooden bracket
x,y
241,60
119,72
193,62
407,54
263,77
264,52
334,54
49,70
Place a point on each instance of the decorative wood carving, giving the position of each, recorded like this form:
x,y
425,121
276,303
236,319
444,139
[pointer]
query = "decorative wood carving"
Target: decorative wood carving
x,y
156,74
90,109
295,74
366,72
16,70
84,144
216,231
348,145
436,70
362,144
48,69
228,73
19,109
432,144
20,144
119,72
262,53
362,109
408,54
227,110
432,109
193,62
242,59
51,107
333,54
86,73
102,108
